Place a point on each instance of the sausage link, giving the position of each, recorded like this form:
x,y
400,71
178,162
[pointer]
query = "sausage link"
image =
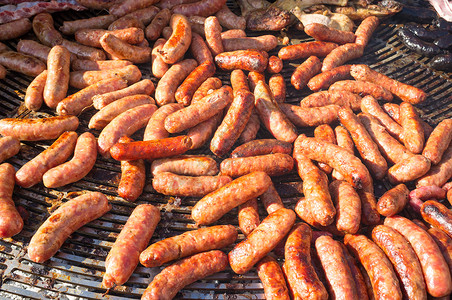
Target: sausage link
x,y
209,85
434,267
311,116
365,30
91,65
123,257
126,22
345,141
82,51
34,48
305,71
439,174
404,261
214,205
248,216
357,275
323,98
203,8
201,133
262,147
438,141
22,63
212,29
413,134
348,206
233,33
34,95
340,55
261,240
404,91
171,3
370,106
326,133
144,15
272,278
239,81
230,20
159,67
362,88
325,79
275,65
254,78
273,164
92,37
37,129
44,30
192,165
249,60
79,166
301,276
199,49
304,50
100,22
11,222
428,192
155,129
82,79
57,82
161,19
122,50
124,7
14,29
261,43
437,215
63,222
384,280
271,200
324,33
444,243
179,41
173,278
408,169
249,133
393,201
277,86
9,146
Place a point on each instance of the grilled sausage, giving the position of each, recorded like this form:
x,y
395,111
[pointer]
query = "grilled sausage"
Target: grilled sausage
x,y
249,60
209,85
83,79
159,67
275,65
44,30
212,29
249,133
370,106
277,86
444,243
155,128
199,49
305,71
262,147
92,37
304,50
34,95
324,33
271,200
261,43
348,206
326,133
439,174
101,22
9,146
393,201
11,222
413,134
230,20
82,51
91,65
438,141
340,55
323,98
124,7
22,63
57,81
192,165
248,216
438,215
272,279
179,41
203,8
365,30
362,88
273,164
14,29
325,79
161,19
122,50
311,116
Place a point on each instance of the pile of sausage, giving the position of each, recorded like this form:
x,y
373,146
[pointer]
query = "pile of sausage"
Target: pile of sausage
x,y
342,249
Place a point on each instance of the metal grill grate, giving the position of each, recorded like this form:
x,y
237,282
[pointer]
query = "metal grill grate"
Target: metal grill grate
x,y
75,272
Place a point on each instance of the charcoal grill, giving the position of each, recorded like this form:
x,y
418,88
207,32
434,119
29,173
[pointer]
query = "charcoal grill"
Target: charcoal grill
x,y
75,272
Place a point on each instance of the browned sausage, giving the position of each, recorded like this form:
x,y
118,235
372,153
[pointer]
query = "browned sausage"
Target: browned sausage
x,y
348,206
262,43
271,200
404,91
160,20
9,146
37,129
34,95
310,116
253,78
155,129
83,79
126,22
179,41
439,174
144,15
193,165
124,7
91,65
345,141
123,257
10,220
370,106
326,133
357,275
304,50
199,49
272,278
214,205
201,133
301,276
170,3
14,29
249,60
437,215
248,216
305,71
444,243
325,79
323,98
57,82
261,240
159,67
233,33
33,48
434,267
91,37
239,81
203,8
208,86
63,222
22,63
44,30
384,280
438,141
413,134
249,133
428,192
404,260
277,86
122,50
365,30
273,164
324,33
96,4
101,22
83,52
173,278
340,55
363,88
262,147
393,201
275,65
230,20
212,29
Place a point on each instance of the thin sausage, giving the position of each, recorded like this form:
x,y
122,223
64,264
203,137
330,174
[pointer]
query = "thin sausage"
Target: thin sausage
x,y
277,86
101,22
348,206
159,67
192,165
310,116
413,134
340,55
123,50
262,147
365,30
363,88
212,29
370,106
161,19
324,33
305,71
325,79
11,222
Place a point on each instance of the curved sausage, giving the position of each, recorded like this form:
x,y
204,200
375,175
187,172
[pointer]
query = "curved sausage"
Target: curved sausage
x,y
439,174
83,52
338,56
365,30
34,95
230,20
44,30
325,79
159,67
122,50
370,106
323,98
212,29
209,85
438,215
326,133
305,71
11,222
155,129
199,49
179,41
311,116
161,19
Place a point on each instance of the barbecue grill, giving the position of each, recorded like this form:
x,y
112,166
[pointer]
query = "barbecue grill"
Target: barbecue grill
x,y
75,272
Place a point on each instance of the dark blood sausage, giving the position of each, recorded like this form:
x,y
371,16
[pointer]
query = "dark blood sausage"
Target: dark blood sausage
x,y
168,183
11,222
365,30
69,217
22,63
203,8
301,277
384,280
404,91
44,30
439,174
248,216
179,41
348,206
434,267
233,123
9,146
37,129
413,133
438,215
416,44
438,141
310,116
393,201
277,86
304,72
123,257
325,79
79,166
133,176
262,147
304,50
337,271
192,165
271,115
31,173
14,29
323,98
188,243
101,22
151,149
340,55
155,129
322,32
404,260
173,278
273,164
275,65
272,278
362,88
214,205
249,60
261,240
442,62
160,20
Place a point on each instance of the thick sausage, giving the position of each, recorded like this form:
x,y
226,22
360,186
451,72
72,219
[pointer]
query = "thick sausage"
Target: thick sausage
x,y
63,222
384,280
199,49
124,7
91,65
261,43
145,87
272,278
37,129
151,149
214,205
438,141
212,30
261,240
33,48
82,79
203,8
92,37
253,78
122,50
133,176
271,200
100,22
340,55
438,215
393,201
161,19
273,118
209,85
365,30
434,267
192,165
357,275
168,183
367,148
262,147
404,91
404,260
57,82
304,50
34,95
363,88
439,174
233,33
123,257
273,164
408,169
126,22
249,133
325,79
301,276
14,29
248,216
249,60
201,133
124,124
179,41
444,243
326,133
413,134
79,166
277,86
144,15
159,67
188,243
83,52
308,69
168,84
9,146
44,30
173,278
310,116
11,222
324,33
230,20
22,63
155,129
323,98
348,206
75,103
